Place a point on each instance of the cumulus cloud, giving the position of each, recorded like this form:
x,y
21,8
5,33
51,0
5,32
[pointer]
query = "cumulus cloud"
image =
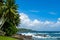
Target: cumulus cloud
x,y
36,24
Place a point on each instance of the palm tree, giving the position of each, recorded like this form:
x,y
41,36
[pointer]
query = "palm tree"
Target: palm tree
x,y
2,20
10,15
1,13
10,12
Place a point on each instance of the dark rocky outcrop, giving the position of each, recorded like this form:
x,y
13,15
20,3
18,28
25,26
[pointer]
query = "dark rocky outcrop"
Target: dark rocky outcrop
x,y
22,37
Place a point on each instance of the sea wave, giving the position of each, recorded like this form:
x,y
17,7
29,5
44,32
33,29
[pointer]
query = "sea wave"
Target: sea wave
x,y
28,34
39,35
35,35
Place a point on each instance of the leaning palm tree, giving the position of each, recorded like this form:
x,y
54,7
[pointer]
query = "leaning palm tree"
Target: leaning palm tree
x,y
10,11
2,20
10,15
1,13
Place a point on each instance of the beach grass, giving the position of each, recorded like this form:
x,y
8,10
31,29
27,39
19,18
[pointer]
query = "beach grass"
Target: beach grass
x,y
7,38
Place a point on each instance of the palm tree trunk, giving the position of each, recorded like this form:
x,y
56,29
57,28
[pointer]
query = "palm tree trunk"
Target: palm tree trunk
x,y
2,20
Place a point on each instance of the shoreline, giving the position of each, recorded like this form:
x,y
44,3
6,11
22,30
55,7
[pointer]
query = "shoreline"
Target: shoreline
x,y
22,37
32,36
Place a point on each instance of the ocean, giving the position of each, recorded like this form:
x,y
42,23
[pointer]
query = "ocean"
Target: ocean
x,y
43,35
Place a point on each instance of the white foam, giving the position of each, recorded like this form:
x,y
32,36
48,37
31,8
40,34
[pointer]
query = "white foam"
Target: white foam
x,y
37,36
33,35
28,34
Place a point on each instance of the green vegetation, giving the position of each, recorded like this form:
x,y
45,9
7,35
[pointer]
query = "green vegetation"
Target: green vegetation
x,y
9,17
9,29
7,38
25,30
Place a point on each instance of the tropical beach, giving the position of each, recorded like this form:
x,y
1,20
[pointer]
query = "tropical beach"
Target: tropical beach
x,y
29,19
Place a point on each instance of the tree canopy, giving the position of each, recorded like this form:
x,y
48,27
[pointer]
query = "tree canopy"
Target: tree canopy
x,y
11,17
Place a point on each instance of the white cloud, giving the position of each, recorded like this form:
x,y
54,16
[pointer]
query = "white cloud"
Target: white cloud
x,y
53,13
59,19
34,11
36,24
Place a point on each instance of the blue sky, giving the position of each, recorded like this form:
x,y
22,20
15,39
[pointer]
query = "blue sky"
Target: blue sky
x,y
44,10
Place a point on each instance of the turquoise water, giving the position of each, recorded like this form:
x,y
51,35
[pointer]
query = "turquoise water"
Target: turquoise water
x,y
48,38
40,35
45,39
